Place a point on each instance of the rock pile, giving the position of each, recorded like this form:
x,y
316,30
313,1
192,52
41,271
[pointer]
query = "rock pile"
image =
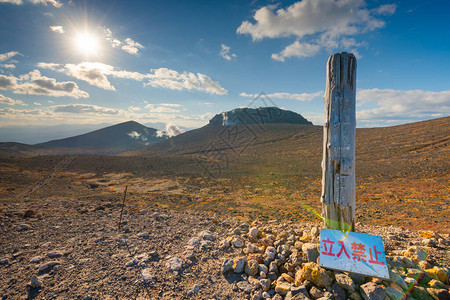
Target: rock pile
x,y
282,262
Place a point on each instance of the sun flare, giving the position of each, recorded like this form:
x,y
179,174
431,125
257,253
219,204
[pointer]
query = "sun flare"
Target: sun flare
x,y
87,43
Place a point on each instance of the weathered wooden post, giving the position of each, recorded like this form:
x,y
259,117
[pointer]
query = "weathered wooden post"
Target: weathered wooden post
x,y
338,164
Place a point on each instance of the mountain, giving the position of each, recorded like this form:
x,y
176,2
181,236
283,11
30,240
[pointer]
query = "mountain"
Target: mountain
x,y
261,115
113,139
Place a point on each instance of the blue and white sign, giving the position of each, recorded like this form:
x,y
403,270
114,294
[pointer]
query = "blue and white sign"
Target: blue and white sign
x,y
353,252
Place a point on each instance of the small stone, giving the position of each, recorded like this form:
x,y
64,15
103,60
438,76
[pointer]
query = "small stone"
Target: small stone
x,y
357,279
48,265
436,284
371,291
311,271
35,282
272,276
238,242
398,280
22,227
277,297
345,281
315,231
227,265
252,268
132,262
257,296
224,244
266,295
239,264
300,296
393,294
265,284
439,294
300,290
54,254
245,286
253,248
147,275
253,233
316,293
174,264
4,261
271,252
338,292
312,251
273,267
416,254
143,235
421,293
287,277
207,235
263,268
35,259
194,289
354,295
254,282
29,213
282,288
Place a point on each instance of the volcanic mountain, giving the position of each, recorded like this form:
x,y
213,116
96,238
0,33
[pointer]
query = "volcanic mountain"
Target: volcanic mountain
x,y
113,139
261,115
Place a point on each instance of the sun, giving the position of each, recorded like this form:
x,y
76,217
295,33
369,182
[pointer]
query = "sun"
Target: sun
x,y
87,43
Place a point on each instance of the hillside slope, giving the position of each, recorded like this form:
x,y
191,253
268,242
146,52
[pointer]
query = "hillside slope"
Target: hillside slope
x,y
112,139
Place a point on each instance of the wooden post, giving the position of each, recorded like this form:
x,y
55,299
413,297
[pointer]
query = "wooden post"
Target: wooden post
x,y
338,164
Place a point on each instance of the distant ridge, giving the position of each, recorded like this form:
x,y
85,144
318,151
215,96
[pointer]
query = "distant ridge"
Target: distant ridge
x,y
113,139
261,115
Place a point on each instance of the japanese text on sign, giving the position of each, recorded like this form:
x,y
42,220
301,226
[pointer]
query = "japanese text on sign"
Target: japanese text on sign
x,y
354,252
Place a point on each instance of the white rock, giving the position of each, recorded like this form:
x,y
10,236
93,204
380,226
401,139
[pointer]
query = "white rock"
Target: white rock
x,y
147,275
174,264
207,235
36,259
253,233
194,241
238,242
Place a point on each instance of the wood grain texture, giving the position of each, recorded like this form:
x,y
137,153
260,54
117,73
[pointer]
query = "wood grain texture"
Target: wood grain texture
x,y
338,164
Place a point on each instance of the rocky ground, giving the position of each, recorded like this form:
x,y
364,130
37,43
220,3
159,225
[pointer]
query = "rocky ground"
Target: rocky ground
x,y
61,248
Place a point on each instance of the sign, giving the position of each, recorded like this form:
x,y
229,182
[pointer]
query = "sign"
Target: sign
x,y
353,252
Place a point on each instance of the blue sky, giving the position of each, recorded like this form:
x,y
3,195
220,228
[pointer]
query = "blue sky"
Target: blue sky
x,y
181,62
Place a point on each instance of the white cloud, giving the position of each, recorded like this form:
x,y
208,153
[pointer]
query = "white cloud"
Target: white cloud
x,y
381,106
160,133
96,74
134,135
85,109
160,109
315,24
8,55
10,101
7,66
131,46
170,104
34,83
298,97
171,79
173,130
134,108
128,45
54,3
297,49
58,29
225,52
